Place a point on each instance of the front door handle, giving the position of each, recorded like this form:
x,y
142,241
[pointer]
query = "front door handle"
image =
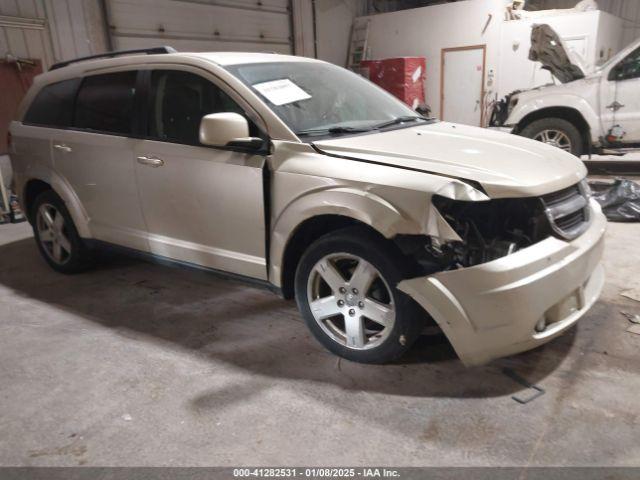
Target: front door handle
x,y
62,147
150,161
615,106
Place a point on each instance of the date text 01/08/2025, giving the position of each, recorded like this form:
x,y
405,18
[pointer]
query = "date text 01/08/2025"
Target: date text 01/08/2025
x,y
315,473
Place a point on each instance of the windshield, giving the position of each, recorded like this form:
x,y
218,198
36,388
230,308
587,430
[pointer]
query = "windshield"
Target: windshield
x,y
323,99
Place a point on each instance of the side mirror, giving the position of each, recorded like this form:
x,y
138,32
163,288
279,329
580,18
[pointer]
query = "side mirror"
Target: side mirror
x,y
424,110
223,129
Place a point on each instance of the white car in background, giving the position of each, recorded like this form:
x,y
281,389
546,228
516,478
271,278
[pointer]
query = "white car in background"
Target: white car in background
x,y
586,112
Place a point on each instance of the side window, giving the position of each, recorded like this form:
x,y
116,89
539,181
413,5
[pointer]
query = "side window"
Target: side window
x,y
178,102
628,68
105,102
53,105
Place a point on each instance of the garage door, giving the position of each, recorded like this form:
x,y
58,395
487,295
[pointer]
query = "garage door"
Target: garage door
x,y
202,25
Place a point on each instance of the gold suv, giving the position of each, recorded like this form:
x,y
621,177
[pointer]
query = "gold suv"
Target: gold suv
x,y
306,177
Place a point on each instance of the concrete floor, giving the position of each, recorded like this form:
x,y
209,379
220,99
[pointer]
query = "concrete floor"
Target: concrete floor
x,y
139,364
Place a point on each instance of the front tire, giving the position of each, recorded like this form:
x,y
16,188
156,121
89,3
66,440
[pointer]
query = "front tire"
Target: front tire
x,y
557,132
345,288
56,235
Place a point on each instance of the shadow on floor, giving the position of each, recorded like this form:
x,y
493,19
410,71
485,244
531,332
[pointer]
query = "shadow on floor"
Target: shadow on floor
x,y
250,328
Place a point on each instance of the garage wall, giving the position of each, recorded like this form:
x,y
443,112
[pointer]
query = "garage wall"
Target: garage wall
x,y
304,29
200,25
329,39
333,23
23,31
54,30
51,30
425,31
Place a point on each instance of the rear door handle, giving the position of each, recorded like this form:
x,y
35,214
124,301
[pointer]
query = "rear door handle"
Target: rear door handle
x,y
150,161
62,147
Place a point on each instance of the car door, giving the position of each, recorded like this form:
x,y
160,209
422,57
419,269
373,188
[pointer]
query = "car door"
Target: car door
x,y
621,99
202,205
95,157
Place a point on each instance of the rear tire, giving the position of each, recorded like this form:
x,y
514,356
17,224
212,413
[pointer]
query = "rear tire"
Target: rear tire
x,y
345,288
56,235
557,132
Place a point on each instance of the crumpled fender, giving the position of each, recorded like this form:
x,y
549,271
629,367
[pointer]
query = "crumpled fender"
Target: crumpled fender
x,y
369,208
357,204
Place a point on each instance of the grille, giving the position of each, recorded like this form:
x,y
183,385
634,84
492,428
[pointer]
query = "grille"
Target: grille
x,y
561,196
567,211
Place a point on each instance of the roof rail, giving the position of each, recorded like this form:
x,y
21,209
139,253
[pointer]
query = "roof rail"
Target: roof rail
x,y
148,51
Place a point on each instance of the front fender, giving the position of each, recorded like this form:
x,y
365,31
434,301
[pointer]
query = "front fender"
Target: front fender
x,y
366,207
569,101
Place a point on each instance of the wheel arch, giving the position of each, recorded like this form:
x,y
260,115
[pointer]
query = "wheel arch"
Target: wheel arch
x,y
319,213
570,114
305,233
36,185
32,189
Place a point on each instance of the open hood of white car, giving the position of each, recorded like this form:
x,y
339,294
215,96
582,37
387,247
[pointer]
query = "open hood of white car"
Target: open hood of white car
x,y
548,49
505,165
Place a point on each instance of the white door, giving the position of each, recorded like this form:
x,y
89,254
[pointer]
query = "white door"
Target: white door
x,y
621,98
202,205
462,85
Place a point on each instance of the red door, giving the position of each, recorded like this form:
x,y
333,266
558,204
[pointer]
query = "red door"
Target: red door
x,y
16,78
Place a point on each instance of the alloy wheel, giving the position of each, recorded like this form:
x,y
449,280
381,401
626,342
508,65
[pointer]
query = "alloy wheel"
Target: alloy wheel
x,y
555,138
351,301
52,233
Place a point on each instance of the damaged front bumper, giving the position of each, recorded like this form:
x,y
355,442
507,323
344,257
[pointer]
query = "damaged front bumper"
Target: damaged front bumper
x,y
516,302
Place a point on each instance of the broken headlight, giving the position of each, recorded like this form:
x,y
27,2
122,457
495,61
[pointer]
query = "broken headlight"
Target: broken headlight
x,y
488,230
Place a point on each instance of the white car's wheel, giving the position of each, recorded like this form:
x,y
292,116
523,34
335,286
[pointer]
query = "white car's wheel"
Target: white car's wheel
x,y
556,132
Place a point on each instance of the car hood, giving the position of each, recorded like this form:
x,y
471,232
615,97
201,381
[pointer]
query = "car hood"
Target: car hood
x,y
505,165
548,49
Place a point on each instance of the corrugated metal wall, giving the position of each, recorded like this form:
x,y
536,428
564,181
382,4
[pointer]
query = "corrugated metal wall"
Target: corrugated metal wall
x,y
23,30
77,27
51,30
628,10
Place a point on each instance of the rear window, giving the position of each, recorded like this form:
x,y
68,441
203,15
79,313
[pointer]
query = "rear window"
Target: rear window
x,y
105,103
53,106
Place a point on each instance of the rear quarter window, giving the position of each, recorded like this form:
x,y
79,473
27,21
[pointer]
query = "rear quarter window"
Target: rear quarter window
x,y
53,105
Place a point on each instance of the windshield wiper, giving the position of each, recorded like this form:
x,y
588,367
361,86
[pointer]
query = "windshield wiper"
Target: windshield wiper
x,y
398,120
333,130
338,129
